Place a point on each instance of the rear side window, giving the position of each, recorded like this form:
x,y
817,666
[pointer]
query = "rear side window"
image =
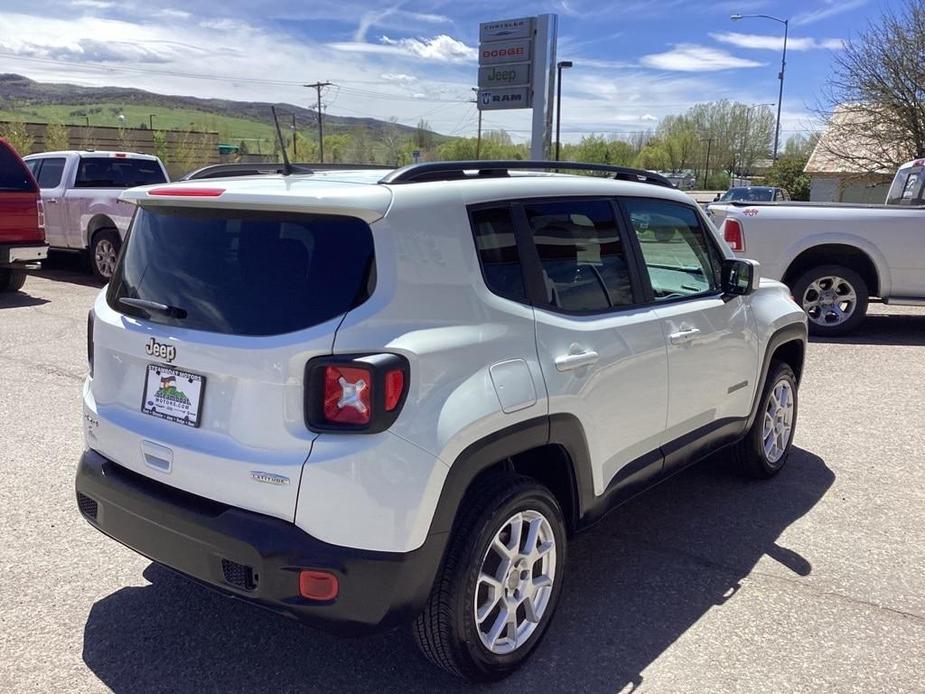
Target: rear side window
x,y
51,172
498,255
111,172
14,177
680,258
907,188
581,254
243,273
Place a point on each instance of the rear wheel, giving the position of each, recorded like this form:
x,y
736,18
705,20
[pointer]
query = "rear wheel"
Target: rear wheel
x,y
834,297
11,280
766,446
500,581
104,250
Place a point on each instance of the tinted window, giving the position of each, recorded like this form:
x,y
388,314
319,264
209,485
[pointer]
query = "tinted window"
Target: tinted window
x,y
581,254
679,257
749,194
498,255
13,175
109,172
50,173
243,273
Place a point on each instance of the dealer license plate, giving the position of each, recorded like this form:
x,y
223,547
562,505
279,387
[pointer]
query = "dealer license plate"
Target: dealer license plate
x,y
173,394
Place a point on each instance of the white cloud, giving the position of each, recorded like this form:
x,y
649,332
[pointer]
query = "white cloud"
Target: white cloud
x,y
438,49
830,8
442,48
92,4
687,57
648,117
776,43
398,77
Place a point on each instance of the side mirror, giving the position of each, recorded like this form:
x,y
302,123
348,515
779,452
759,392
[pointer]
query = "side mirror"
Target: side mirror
x,y
740,276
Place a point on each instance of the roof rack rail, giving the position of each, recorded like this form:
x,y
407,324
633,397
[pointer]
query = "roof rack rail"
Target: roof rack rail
x,y
267,168
456,170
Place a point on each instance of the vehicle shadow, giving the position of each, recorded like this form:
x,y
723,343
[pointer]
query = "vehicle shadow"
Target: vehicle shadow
x,y
20,299
884,329
636,582
67,267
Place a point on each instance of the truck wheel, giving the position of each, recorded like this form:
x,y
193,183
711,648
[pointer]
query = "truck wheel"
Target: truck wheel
x,y
766,446
11,280
499,583
104,250
834,297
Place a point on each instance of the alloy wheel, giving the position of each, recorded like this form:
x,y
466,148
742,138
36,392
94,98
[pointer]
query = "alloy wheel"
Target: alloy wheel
x,y
105,257
778,421
515,582
830,300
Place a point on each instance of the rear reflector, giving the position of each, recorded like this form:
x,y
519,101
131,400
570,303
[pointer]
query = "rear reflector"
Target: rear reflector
x,y
188,192
732,232
318,585
347,394
394,388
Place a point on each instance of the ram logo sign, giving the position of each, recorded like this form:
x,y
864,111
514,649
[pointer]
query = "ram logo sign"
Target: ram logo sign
x,y
496,99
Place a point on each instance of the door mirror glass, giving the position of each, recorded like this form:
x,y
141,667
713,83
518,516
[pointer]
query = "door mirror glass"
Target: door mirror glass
x,y
740,277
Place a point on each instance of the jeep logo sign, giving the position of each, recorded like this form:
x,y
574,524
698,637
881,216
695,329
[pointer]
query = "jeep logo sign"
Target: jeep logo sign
x,y
512,75
155,349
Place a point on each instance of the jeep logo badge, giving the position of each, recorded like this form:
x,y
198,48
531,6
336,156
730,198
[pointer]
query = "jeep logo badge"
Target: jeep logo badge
x,y
166,352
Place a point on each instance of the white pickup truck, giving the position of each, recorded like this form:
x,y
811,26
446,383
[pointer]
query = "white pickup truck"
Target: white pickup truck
x,y
80,191
834,256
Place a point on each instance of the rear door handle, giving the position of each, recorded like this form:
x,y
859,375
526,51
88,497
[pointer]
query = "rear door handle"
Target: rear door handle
x,y
51,201
683,335
568,362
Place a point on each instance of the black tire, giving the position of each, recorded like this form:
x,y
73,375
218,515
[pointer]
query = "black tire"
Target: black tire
x,y
749,454
11,280
851,277
446,631
101,262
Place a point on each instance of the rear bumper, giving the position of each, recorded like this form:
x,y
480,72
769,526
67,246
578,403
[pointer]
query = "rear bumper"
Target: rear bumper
x,y
15,254
251,556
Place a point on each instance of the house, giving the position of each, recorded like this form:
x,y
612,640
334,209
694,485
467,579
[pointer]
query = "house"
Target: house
x,y
840,165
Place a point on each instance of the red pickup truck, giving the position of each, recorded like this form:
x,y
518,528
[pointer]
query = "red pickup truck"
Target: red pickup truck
x,y
22,220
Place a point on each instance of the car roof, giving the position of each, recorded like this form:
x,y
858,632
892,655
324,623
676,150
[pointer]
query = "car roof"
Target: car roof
x,y
89,153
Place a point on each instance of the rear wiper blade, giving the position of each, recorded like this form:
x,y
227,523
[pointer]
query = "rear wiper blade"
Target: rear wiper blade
x,y
146,305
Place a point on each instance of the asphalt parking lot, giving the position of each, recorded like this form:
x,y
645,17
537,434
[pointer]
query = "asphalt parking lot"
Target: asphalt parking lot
x,y
814,581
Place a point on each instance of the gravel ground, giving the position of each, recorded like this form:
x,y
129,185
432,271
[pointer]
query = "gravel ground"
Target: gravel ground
x,y
814,581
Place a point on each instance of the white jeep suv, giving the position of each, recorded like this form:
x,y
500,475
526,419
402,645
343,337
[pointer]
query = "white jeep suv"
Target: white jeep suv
x,y
362,398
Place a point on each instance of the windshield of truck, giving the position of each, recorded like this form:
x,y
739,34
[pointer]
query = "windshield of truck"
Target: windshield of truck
x,y
748,194
907,188
112,172
240,272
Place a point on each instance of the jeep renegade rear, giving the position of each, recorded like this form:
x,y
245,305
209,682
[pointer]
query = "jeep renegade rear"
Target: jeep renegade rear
x,y
371,398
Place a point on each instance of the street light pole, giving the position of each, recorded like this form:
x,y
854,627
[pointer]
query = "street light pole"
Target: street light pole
x,y
478,137
561,65
783,66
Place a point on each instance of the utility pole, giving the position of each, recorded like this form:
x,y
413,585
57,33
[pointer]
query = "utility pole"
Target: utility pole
x,y
706,170
295,146
318,86
478,137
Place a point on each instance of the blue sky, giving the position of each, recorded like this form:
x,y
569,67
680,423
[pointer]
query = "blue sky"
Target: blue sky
x,y
635,61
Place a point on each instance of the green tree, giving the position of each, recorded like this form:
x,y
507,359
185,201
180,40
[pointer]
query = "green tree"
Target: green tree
x,y
654,157
18,135
787,172
159,138
56,137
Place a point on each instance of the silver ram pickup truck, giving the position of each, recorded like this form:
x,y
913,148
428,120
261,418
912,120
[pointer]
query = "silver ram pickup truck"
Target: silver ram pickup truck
x,y
80,191
836,256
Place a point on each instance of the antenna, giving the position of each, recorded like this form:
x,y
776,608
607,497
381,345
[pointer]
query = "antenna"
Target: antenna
x,y
287,167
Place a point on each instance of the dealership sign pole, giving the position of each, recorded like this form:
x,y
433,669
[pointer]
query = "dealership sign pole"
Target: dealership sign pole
x,y
517,58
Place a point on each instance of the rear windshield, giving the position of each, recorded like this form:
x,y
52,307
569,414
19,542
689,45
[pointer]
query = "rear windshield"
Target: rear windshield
x,y
749,194
907,188
110,172
14,177
243,273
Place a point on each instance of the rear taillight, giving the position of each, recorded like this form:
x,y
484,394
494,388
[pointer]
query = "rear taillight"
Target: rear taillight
x,y
732,232
90,342
40,213
356,393
318,585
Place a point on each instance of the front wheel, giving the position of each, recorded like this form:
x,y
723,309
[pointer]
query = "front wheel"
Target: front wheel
x,y
500,581
834,297
11,280
104,250
766,447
